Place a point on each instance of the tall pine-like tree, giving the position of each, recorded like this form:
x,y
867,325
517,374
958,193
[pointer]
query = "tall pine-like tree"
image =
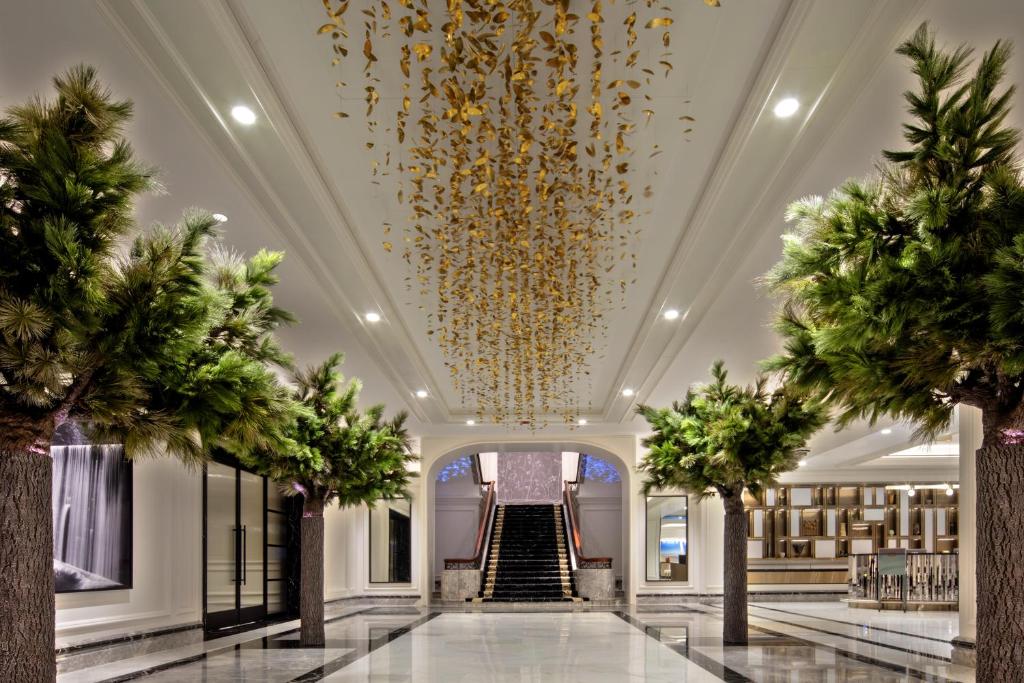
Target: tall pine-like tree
x,y
339,455
904,295
722,438
140,338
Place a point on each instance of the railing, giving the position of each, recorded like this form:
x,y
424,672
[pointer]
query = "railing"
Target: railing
x,y
482,534
575,538
890,575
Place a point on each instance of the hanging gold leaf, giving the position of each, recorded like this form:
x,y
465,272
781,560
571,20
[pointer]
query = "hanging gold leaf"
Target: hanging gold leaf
x,y
658,22
512,235
422,50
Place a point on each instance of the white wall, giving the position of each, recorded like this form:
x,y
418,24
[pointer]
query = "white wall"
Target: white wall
x,y
347,552
600,508
167,561
457,512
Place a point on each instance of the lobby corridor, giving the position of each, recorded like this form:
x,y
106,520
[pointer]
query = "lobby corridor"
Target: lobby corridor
x,y
788,642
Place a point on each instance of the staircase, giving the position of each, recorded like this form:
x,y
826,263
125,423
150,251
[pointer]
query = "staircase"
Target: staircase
x,y
528,560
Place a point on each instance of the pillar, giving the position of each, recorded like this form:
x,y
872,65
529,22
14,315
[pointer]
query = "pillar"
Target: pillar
x,y
970,429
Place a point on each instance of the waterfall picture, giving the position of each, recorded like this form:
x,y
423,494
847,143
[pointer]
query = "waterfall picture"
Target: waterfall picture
x,y
92,518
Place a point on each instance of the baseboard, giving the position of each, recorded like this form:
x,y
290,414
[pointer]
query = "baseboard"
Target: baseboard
x,y
125,638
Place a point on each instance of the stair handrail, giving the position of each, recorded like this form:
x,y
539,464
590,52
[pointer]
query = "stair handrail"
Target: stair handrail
x,y
483,536
575,536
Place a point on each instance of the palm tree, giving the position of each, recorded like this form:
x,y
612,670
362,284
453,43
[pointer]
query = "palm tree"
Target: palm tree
x,y
722,439
902,296
139,342
338,455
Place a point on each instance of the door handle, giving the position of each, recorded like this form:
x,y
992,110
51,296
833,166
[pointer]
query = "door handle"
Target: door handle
x,y
245,569
234,533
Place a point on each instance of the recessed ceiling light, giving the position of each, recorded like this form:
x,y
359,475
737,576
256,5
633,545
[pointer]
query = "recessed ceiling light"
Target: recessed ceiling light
x,y
886,432
582,422
243,115
628,392
220,218
421,393
470,423
372,317
670,314
786,107
802,463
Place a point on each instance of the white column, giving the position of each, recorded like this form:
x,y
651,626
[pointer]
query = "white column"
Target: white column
x,y
970,440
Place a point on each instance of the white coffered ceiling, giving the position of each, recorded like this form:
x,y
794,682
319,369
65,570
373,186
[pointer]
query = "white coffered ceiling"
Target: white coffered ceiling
x,y
299,180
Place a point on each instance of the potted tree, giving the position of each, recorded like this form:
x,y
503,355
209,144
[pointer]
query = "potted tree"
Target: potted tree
x,y
902,295
339,455
139,342
721,439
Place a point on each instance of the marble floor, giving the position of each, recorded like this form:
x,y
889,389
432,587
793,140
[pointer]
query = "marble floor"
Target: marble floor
x,y
792,642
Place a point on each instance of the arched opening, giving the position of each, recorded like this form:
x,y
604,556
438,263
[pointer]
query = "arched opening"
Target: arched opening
x,y
525,472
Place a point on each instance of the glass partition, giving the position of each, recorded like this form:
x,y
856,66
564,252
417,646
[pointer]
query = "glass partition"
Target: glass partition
x,y
391,542
666,542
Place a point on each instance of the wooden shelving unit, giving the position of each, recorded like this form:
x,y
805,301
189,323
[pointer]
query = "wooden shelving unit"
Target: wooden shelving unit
x,y
832,521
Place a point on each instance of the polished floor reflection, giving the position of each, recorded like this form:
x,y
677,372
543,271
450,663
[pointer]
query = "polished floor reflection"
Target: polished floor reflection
x,y
791,642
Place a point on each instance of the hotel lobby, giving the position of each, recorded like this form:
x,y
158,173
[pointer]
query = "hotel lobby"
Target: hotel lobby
x,y
511,340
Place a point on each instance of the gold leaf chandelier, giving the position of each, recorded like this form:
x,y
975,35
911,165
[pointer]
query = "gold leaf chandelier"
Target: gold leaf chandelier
x,y
506,126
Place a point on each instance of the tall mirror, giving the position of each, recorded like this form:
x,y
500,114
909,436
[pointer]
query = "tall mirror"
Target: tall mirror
x,y
666,541
391,542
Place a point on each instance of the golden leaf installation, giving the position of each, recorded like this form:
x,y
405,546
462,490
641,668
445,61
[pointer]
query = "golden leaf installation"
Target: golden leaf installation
x,y
510,126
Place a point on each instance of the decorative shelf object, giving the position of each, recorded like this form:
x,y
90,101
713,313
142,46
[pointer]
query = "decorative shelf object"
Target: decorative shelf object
x,y
826,523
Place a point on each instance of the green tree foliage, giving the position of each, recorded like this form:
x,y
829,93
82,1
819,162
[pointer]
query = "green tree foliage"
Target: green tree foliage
x,y
148,338
725,438
904,293
339,453
156,340
722,437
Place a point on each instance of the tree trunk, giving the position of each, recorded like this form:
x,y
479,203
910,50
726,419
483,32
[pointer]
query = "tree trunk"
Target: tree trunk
x,y
1000,561
26,567
735,561
311,582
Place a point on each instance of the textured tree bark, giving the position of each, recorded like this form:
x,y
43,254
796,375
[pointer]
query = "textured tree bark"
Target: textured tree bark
x,y
735,560
1000,561
311,588
26,567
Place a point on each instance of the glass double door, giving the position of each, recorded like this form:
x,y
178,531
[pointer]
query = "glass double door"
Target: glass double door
x,y
236,504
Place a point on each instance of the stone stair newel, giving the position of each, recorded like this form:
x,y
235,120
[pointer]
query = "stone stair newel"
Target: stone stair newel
x,y
528,559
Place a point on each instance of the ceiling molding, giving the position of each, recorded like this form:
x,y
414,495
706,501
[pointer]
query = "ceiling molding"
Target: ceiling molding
x,y
875,40
693,224
148,38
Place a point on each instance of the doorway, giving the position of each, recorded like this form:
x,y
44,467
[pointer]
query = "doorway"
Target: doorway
x,y
238,532
400,542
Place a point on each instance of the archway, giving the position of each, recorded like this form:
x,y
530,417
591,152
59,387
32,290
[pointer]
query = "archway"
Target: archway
x,y
442,456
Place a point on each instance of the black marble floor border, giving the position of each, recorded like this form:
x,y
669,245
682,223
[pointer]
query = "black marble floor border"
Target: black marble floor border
x,y
864,659
854,623
869,641
340,663
710,665
191,659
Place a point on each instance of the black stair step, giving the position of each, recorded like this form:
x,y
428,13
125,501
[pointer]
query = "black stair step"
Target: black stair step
x,y
528,559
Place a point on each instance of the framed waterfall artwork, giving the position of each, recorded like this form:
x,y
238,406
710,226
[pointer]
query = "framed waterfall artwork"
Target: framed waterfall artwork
x,y
92,514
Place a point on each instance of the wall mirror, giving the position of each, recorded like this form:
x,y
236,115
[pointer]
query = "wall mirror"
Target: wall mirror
x,y
666,538
391,542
